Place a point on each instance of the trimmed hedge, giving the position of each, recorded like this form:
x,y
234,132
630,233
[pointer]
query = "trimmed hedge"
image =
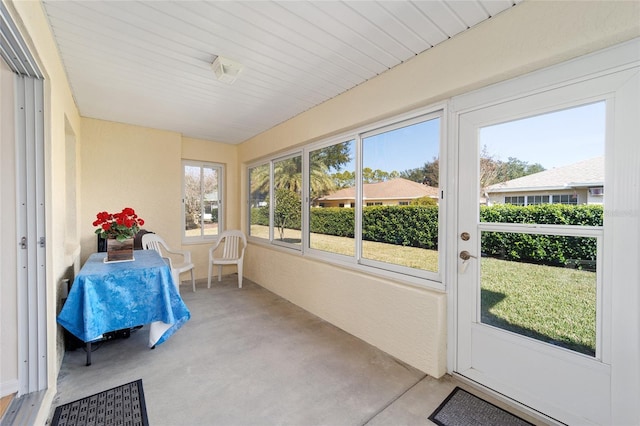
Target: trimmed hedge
x,y
417,226
338,221
547,214
553,250
412,226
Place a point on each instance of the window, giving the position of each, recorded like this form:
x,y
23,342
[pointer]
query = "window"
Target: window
x,y
565,199
537,199
333,179
597,190
287,211
399,161
259,195
275,201
201,200
516,201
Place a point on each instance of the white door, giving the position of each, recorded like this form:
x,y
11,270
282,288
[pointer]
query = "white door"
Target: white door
x,y
533,295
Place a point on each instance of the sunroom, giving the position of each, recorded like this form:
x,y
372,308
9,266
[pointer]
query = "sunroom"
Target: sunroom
x,y
83,133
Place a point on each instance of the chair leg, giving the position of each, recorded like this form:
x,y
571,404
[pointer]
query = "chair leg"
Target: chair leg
x,y
219,273
193,281
240,275
210,270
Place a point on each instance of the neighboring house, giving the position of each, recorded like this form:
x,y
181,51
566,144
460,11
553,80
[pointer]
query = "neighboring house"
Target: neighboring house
x,y
578,183
393,192
211,203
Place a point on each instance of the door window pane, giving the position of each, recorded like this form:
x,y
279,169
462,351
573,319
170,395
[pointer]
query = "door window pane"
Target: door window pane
x,y
560,154
402,165
541,286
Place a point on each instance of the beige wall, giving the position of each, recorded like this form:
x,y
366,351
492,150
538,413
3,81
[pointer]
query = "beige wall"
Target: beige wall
x,y
130,166
405,321
146,179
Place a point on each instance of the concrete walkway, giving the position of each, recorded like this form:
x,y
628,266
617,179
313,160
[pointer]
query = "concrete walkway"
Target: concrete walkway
x,y
249,357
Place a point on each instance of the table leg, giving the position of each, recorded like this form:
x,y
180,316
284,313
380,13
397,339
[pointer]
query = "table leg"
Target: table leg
x,y
88,349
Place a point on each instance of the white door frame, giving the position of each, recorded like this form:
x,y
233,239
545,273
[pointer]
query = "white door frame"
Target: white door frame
x,y
622,214
30,243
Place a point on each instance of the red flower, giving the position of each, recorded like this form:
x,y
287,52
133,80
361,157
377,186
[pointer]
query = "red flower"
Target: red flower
x,y
118,225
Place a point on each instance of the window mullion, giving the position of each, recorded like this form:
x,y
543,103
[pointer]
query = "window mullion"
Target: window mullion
x,y
358,199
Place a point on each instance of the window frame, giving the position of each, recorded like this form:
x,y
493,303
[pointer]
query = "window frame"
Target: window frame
x,y
272,201
412,276
269,165
220,169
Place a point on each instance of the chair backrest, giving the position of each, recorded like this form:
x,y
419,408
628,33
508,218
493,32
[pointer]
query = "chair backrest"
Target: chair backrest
x,y
232,244
153,242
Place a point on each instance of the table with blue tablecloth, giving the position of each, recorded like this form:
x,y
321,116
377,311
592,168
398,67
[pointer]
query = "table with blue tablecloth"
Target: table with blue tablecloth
x,y
110,296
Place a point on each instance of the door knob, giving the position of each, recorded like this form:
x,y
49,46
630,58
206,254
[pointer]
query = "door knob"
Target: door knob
x,y
465,255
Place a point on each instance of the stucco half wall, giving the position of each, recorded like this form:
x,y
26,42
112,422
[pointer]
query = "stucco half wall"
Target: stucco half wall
x,y
408,322
404,321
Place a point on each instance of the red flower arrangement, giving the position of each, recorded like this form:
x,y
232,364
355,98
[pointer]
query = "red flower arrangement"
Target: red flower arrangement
x,y
120,226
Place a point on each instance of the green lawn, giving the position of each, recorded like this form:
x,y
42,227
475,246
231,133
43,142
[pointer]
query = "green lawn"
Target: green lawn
x,y
551,304
555,305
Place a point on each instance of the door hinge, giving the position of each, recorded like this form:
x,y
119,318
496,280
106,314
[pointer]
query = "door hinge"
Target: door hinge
x,y
23,243
42,242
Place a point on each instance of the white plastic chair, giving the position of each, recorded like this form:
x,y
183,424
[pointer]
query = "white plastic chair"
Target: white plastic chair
x,y
234,242
155,242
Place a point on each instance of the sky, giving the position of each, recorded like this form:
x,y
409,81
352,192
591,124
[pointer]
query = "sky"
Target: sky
x,y
552,140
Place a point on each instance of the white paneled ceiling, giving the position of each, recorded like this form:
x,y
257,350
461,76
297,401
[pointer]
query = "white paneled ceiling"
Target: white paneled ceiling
x,y
148,63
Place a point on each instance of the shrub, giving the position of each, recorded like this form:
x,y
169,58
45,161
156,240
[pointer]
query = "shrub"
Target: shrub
x,y
417,226
413,226
553,250
337,221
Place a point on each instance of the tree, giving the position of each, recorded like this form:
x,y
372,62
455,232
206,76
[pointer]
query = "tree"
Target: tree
x,y
287,174
373,176
197,183
287,210
424,201
259,181
515,168
334,156
344,179
429,174
494,171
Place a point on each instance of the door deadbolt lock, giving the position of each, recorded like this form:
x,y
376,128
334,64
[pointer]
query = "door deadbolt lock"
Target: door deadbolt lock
x,y
465,236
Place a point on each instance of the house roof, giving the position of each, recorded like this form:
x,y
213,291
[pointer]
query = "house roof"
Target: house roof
x,y
390,190
577,175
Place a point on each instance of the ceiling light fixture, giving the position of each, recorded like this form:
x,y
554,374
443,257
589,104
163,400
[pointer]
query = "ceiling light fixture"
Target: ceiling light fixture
x,y
226,70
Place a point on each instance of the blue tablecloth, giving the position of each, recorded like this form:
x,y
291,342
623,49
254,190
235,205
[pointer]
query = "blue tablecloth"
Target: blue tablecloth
x,y
113,296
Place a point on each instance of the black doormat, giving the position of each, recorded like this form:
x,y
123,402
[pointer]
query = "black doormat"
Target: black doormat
x,y
122,405
461,408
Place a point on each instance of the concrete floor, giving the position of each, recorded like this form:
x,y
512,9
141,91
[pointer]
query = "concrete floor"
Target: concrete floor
x,y
249,357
